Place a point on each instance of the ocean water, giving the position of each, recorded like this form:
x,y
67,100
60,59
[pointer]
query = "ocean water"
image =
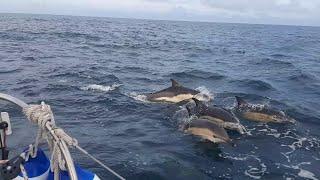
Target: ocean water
x,y
92,72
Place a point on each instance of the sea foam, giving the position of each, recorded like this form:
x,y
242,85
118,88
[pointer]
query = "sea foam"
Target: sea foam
x,y
102,88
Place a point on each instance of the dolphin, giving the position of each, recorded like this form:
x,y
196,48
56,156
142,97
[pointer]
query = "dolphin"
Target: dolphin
x,y
217,115
207,130
174,94
260,113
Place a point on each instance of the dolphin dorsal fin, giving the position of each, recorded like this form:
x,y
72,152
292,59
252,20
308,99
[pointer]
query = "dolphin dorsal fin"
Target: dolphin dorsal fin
x,y
240,101
196,101
175,83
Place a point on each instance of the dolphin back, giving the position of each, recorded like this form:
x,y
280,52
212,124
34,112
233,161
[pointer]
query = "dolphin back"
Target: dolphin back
x,y
216,130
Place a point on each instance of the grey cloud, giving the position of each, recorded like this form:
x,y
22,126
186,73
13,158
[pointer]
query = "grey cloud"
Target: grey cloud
x,y
304,12
301,7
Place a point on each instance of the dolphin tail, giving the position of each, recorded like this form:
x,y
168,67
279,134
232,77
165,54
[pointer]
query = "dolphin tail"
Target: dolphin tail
x,y
240,101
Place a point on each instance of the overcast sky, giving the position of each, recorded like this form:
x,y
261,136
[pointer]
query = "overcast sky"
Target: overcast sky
x,y
297,12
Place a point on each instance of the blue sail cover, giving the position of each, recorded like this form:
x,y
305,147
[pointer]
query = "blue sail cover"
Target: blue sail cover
x,y
82,174
37,168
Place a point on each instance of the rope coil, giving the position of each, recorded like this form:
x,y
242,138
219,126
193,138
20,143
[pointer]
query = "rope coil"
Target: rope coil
x,y
60,156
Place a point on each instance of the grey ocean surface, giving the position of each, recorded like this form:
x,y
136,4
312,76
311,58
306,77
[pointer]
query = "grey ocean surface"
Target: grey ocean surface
x,y
62,60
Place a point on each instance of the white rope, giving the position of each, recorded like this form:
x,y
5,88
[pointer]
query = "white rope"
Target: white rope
x,y
24,173
63,135
54,160
36,143
39,114
25,156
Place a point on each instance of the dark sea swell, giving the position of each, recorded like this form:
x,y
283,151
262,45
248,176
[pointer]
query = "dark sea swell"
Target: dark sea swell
x,y
88,68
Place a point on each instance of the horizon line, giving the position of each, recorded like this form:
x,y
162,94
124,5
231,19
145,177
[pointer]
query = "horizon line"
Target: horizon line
x,y
156,19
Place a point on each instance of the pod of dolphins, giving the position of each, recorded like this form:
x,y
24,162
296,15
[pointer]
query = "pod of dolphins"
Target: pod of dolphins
x,y
211,122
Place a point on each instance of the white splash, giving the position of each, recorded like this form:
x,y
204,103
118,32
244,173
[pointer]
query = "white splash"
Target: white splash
x,y
302,172
138,97
253,172
205,94
62,81
96,87
306,174
240,157
256,173
267,130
